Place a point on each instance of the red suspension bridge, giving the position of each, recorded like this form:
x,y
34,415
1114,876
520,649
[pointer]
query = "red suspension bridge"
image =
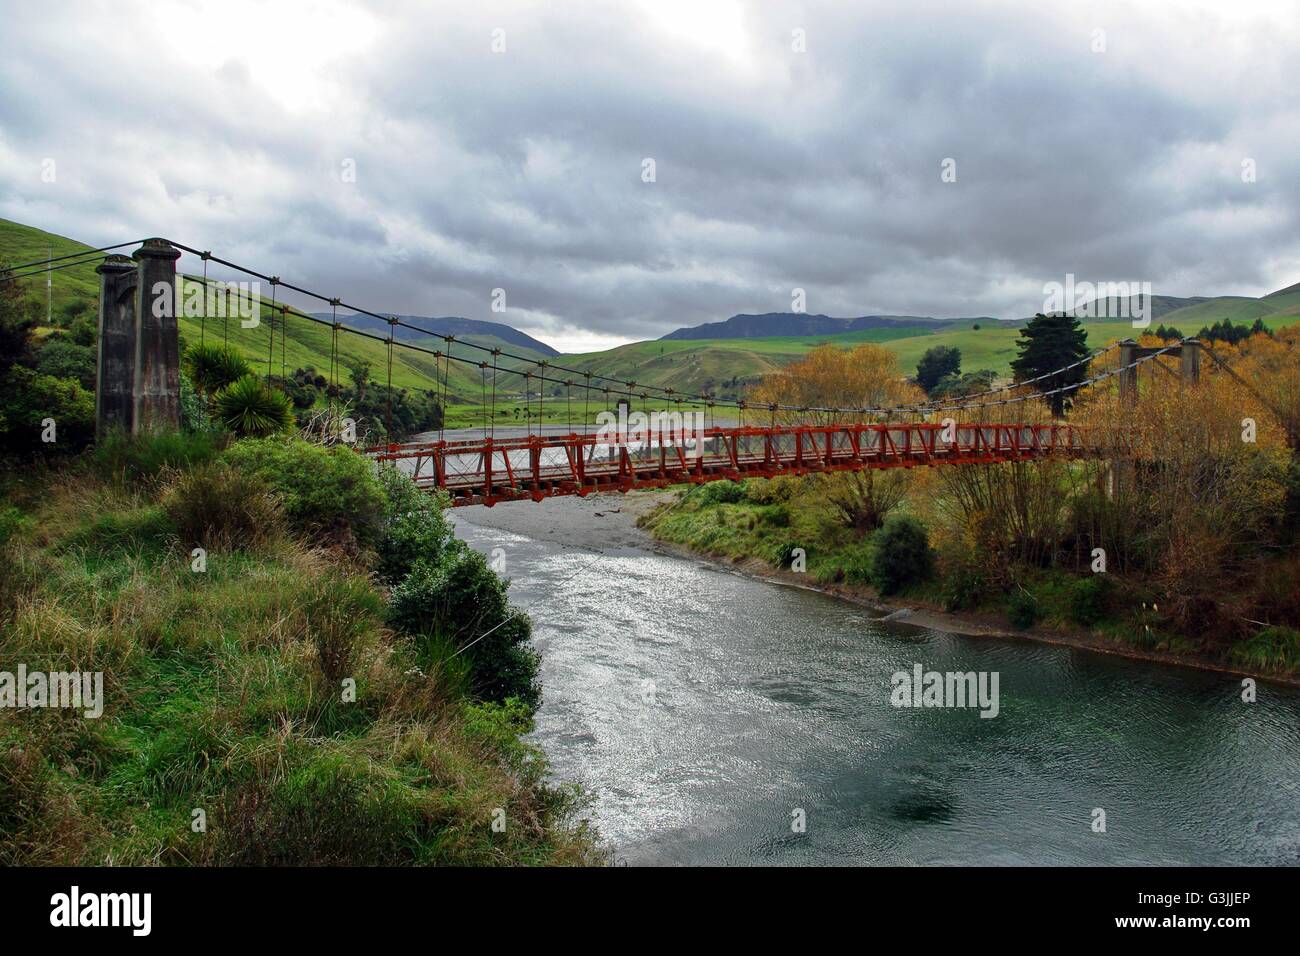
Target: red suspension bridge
x,y
487,470
139,370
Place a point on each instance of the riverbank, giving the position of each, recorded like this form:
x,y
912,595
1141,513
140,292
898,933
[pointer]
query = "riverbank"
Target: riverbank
x,y
612,522
270,697
744,533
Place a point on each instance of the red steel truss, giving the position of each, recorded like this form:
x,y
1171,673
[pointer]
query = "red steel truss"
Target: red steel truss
x,y
486,470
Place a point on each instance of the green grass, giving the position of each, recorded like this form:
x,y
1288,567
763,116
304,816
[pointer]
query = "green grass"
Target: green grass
x,y
218,697
1272,650
707,521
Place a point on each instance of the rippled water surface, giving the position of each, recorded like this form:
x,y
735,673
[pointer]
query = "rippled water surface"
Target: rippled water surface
x,y
701,708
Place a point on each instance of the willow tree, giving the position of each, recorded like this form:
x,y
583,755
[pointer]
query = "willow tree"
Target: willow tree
x,y
830,386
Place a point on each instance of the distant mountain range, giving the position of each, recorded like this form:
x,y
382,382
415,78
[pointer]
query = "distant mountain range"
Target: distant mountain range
x,y
771,324
1198,308
446,325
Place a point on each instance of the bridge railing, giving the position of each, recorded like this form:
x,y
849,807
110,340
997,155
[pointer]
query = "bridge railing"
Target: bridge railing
x,y
485,470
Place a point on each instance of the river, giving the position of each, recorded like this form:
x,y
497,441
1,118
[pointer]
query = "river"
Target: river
x,y
710,714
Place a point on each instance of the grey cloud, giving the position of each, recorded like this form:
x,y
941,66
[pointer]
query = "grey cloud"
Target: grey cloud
x,y
820,170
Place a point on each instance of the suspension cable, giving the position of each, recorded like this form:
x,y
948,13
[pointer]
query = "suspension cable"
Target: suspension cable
x,y
586,403
12,275
495,353
73,255
334,361
446,375
707,400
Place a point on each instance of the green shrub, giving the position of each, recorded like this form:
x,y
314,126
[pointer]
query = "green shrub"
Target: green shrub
x,y
902,555
1022,609
28,399
218,507
719,493
251,409
462,601
964,584
777,516
325,492
1274,649
194,411
770,491
1090,599
132,458
61,357
414,526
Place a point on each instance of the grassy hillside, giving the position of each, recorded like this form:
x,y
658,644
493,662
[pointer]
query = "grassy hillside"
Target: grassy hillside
x,y
687,365
1240,309
21,244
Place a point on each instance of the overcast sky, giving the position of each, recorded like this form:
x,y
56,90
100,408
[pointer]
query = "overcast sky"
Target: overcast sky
x,y
1101,139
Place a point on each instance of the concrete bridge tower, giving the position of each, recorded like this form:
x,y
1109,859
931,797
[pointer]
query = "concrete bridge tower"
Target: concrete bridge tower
x,y
138,372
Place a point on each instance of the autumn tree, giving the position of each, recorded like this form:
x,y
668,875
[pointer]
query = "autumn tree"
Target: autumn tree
x,y
829,377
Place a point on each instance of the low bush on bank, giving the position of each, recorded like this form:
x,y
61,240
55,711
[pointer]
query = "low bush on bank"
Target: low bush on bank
x,y
784,554
414,527
1090,600
1273,650
460,602
329,495
902,555
216,506
770,491
719,493
1023,610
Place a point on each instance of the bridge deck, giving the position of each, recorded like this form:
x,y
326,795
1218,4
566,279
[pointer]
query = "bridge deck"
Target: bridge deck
x,y
486,470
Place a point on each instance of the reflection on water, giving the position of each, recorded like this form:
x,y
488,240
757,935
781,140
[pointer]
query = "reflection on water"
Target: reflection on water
x,y
704,709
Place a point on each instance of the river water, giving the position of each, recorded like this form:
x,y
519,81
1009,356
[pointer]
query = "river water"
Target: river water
x,y
709,714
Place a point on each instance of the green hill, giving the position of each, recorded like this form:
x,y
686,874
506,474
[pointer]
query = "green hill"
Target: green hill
x,y
306,343
1240,309
686,365
21,244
